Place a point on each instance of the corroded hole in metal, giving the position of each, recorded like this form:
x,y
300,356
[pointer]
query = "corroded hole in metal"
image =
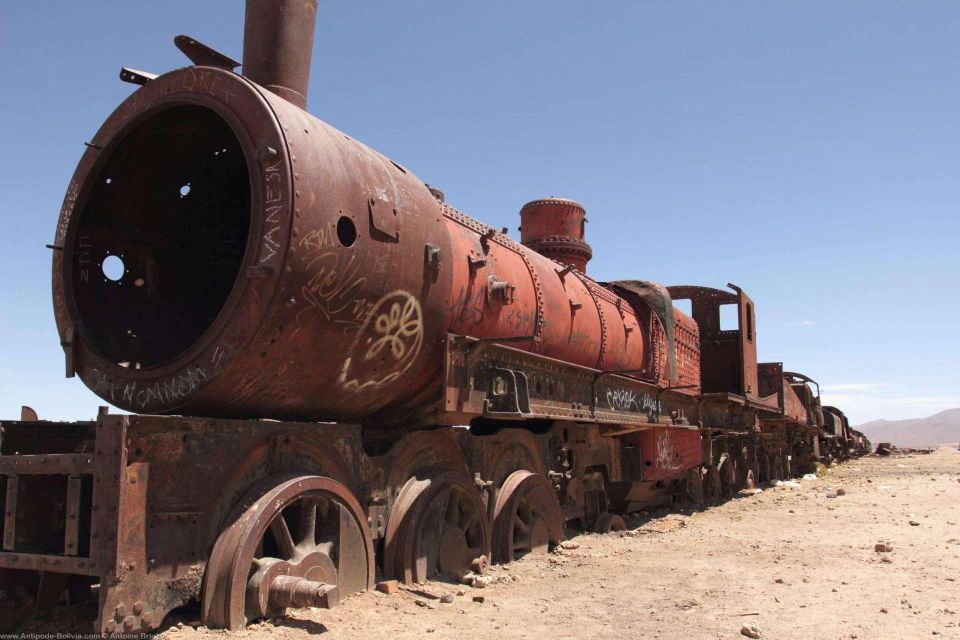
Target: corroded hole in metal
x,y
346,231
171,208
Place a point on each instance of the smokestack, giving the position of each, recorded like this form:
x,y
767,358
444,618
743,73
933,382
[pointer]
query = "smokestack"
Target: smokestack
x,y
278,45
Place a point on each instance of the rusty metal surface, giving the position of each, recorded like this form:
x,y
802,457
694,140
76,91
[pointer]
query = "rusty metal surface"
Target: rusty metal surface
x,y
270,266
278,46
345,258
667,453
728,358
554,227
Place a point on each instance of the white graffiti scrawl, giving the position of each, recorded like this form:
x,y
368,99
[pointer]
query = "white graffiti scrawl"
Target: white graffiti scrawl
x,y
388,343
666,459
627,400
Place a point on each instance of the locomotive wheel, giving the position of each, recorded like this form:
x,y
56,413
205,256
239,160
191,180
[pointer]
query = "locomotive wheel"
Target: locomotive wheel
x,y
526,518
304,542
695,488
607,522
438,528
715,483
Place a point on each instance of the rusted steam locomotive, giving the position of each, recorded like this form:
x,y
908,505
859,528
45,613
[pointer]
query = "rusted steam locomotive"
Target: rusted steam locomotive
x,y
379,384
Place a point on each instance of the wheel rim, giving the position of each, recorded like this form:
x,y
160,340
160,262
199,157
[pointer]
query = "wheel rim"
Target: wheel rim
x,y
527,517
303,542
607,522
438,529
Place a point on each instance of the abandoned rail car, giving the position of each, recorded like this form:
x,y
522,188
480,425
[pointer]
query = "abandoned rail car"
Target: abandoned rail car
x,y
336,376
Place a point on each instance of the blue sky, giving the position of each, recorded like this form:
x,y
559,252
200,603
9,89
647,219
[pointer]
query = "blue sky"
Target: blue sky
x,y
805,151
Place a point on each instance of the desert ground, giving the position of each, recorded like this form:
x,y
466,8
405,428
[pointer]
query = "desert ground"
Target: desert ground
x,y
792,562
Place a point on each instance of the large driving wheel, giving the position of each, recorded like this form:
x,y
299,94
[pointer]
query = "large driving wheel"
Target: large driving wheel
x,y
437,529
302,543
526,517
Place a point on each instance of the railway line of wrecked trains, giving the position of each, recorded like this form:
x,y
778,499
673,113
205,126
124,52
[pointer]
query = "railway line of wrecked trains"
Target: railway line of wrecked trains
x,y
336,376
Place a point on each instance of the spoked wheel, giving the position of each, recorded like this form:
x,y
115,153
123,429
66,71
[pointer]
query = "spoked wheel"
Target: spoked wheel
x,y
607,522
302,543
526,517
438,529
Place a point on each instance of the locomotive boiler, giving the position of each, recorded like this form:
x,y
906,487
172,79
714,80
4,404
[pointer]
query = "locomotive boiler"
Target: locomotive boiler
x,y
336,377
268,265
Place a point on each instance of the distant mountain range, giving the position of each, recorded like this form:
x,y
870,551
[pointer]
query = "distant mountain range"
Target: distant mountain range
x,y
942,428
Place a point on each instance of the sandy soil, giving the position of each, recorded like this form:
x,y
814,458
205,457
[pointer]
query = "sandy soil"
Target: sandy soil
x,y
792,561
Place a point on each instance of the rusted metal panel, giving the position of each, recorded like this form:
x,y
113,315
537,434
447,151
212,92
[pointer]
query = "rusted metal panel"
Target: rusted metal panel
x,y
10,513
71,533
46,464
668,453
747,341
496,381
727,358
47,563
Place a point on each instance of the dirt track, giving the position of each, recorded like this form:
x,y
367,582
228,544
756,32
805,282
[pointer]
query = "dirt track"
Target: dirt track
x,y
791,560
707,574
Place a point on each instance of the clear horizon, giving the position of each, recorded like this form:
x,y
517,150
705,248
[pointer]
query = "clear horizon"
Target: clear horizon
x,y
807,152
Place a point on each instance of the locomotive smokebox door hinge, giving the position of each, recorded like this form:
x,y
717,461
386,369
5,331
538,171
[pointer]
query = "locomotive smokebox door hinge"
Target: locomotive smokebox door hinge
x,y
69,351
384,218
431,258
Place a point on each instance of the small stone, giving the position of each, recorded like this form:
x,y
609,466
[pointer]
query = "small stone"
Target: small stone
x,y
883,610
420,602
446,598
750,630
461,592
841,492
779,580
388,587
569,544
479,599
481,582
914,523
886,559
831,494
173,630
883,547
